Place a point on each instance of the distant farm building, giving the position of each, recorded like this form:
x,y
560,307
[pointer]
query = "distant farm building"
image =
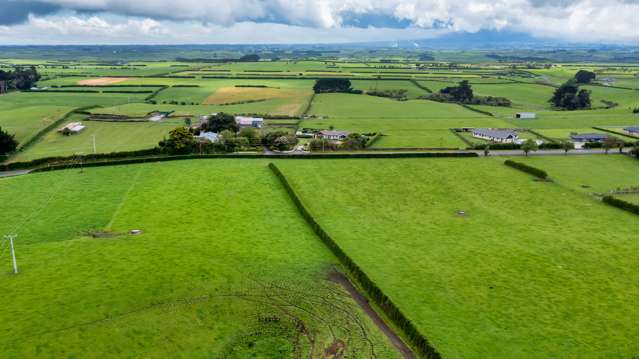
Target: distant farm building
x,y
255,122
526,115
633,131
333,135
580,140
72,128
499,136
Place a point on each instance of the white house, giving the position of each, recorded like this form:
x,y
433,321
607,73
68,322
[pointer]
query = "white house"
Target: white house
x,y
499,136
73,128
209,136
256,122
333,135
526,115
633,131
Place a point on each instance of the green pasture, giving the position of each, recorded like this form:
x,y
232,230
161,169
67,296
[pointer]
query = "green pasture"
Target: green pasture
x,y
383,85
109,137
225,267
485,261
363,106
589,174
434,138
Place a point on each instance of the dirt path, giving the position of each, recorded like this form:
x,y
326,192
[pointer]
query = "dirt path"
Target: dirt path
x,y
340,278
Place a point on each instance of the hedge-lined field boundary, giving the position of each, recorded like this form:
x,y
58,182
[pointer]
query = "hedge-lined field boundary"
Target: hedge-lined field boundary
x,y
615,133
420,86
371,141
621,204
528,169
417,339
155,155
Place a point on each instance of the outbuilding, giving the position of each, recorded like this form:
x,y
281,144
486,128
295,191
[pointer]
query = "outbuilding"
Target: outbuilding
x,y
72,128
526,115
333,135
633,131
499,136
244,122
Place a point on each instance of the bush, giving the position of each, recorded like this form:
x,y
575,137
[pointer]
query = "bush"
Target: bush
x,y
333,85
8,143
528,169
180,141
621,204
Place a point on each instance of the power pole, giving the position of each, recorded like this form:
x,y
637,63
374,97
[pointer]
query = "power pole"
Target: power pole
x,y
94,150
10,238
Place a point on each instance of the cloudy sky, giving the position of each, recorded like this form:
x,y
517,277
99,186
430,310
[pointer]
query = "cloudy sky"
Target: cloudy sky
x,y
309,21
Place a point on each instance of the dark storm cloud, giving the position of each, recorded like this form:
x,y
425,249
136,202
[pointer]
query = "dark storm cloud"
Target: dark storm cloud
x,y
15,12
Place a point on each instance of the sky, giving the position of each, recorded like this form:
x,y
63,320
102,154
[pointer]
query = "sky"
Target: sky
x,y
310,21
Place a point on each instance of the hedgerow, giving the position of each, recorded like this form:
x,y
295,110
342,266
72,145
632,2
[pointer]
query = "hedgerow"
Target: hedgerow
x,y
621,204
528,169
417,339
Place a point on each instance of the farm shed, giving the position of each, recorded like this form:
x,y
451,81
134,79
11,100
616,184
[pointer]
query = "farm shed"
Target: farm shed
x,y
256,122
526,115
333,135
209,136
72,128
499,136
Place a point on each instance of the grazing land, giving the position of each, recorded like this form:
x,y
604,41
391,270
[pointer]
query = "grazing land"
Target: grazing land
x,y
474,252
224,267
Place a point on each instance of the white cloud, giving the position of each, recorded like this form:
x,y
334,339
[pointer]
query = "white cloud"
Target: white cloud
x,y
318,20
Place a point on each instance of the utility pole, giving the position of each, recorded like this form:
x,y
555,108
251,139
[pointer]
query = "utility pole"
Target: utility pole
x,y
94,150
10,238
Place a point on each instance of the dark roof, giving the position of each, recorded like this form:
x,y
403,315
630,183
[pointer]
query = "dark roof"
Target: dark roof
x,y
585,137
487,132
632,129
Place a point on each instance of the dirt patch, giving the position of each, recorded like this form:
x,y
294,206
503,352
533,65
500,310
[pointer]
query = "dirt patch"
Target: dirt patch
x,y
341,279
101,81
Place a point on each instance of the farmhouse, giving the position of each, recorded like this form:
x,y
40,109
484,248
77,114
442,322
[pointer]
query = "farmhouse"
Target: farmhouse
x,y
333,135
633,131
580,140
526,115
72,128
256,122
208,136
499,136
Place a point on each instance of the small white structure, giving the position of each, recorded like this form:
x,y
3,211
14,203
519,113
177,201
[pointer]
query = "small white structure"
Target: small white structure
x,y
526,115
333,135
73,128
580,140
633,131
208,136
255,122
498,136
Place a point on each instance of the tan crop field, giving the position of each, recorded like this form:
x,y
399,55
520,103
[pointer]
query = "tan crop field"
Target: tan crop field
x,y
101,81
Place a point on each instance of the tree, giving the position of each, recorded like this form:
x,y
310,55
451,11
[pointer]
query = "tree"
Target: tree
x,y
611,142
8,143
585,77
251,135
221,121
333,85
529,145
569,97
279,140
462,93
486,150
635,149
354,141
187,122
250,58
567,146
180,141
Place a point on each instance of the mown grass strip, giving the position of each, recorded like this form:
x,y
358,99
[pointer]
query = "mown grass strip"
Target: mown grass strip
x,y
416,338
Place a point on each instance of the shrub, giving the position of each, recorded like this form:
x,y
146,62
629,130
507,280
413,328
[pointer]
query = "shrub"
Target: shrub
x,y
8,143
333,85
528,169
621,204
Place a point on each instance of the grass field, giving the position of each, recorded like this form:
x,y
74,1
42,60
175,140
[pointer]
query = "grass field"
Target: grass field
x,y
225,267
530,269
110,137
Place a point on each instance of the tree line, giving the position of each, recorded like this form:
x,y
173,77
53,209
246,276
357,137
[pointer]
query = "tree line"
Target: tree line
x,y
21,78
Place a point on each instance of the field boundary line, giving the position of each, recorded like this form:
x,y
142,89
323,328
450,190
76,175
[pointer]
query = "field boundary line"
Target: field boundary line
x,y
417,339
123,200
